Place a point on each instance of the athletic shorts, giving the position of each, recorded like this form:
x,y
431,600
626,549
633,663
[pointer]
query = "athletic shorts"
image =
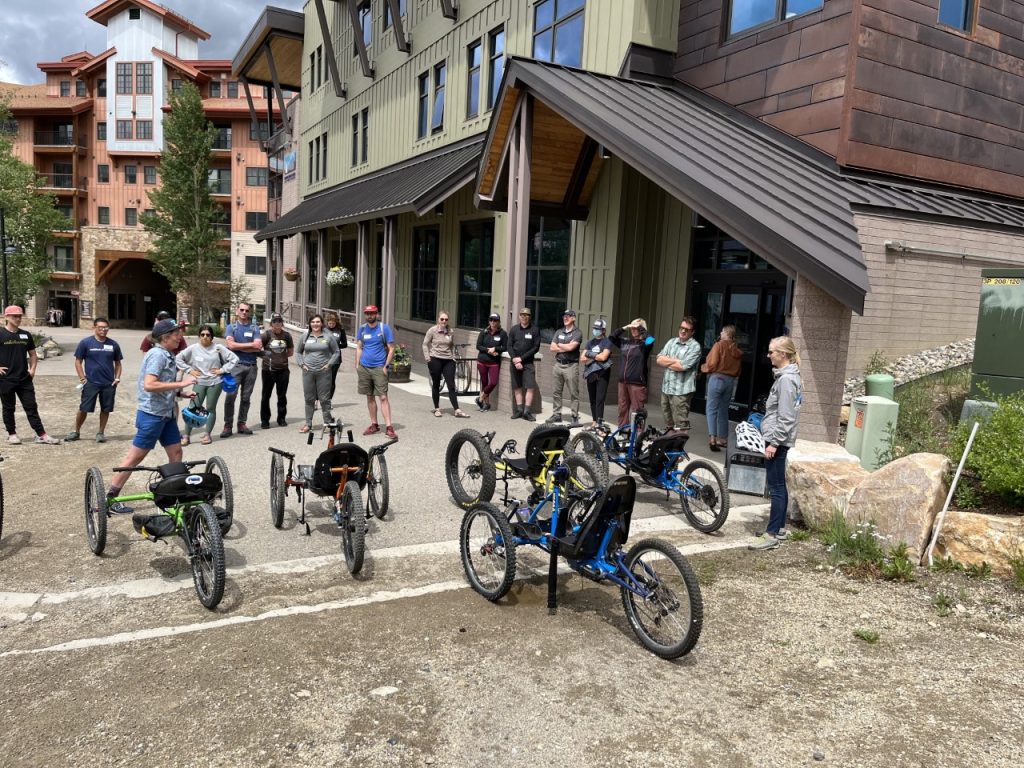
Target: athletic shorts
x,y
153,429
93,392
372,381
525,378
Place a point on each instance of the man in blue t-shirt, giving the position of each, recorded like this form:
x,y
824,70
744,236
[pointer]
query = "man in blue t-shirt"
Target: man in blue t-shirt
x,y
243,338
375,346
98,363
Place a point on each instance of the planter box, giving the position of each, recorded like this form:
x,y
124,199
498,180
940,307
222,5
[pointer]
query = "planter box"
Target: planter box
x,y
399,375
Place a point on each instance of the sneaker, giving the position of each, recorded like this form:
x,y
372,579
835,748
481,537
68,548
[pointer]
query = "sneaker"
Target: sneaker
x,y
479,404
574,421
528,415
226,432
242,429
517,413
373,429
100,437
390,432
764,541
70,437
282,422
783,535
118,508
45,439
487,407
264,425
14,439
555,418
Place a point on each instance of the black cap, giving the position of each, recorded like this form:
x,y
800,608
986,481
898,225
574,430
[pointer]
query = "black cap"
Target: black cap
x,y
162,315
276,318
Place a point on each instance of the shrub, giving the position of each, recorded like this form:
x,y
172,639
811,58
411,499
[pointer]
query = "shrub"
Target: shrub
x,y
1017,568
943,604
947,565
982,571
998,446
877,364
869,636
855,546
897,565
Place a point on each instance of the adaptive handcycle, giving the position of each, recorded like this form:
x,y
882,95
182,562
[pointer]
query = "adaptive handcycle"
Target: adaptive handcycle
x,y
341,472
661,461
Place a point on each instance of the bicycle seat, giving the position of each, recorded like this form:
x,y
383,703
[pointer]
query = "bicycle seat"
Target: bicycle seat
x,y
153,526
543,439
616,502
183,486
325,482
655,457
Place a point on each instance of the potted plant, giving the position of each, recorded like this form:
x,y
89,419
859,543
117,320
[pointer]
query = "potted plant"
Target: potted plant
x,y
401,365
291,274
340,276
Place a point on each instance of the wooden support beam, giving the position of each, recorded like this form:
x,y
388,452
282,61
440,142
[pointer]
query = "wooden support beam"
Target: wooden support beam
x,y
584,162
449,10
357,35
332,60
277,90
404,44
253,117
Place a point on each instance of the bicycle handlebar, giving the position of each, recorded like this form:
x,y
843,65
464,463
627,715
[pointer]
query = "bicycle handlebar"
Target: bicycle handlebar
x,y
279,452
382,447
140,468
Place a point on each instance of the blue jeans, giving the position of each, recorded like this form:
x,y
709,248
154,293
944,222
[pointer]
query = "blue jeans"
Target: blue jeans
x,y
719,395
775,471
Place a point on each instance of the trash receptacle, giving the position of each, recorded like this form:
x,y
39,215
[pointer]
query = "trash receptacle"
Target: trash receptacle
x,y
872,418
881,385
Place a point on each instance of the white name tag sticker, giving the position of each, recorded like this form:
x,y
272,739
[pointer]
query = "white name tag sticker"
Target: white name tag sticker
x,y
248,334
108,347
367,336
528,336
23,336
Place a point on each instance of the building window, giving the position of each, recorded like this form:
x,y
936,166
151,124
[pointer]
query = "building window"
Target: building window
x,y
149,174
103,174
312,265
8,127
316,67
255,265
749,14
476,267
103,214
80,89
63,259
101,87
220,181
547,270
260,131
387,12
474,55
124,129
558,32
255,220
355,139
130,174
958,14
176,85
232,89
312,163
255,177
215,89
423,116
144,77
222,139
67,213
65,87
425,249
365,24
366,131
144,129
131,217
124,78
121,306
101,131
437,113
496,61
134,14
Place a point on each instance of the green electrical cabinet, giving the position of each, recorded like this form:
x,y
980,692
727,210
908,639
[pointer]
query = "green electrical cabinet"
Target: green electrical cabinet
x,y
998,351
872,422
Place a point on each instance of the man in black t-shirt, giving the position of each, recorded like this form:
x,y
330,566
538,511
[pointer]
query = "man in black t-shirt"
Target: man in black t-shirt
x,y
278,347
18,362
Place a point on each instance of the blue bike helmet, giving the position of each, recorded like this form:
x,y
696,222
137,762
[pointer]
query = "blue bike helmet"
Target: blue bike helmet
x,y
230,383
195,415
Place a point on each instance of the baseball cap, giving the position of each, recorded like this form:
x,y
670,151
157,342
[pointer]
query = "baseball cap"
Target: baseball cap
x,y
276,318
526,311
600,325
370,308
163,327
163,315
569,313
494,316
14,309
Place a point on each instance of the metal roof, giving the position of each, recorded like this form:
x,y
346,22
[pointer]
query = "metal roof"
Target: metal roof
x,y
898,195
416,185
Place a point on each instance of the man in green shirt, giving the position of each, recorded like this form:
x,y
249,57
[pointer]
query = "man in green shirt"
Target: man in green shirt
x,y
680,357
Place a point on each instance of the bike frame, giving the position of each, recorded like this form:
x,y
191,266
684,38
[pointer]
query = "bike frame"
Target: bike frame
x,y
667,480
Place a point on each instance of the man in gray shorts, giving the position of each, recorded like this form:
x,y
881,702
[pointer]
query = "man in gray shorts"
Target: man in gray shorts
x,y
375,346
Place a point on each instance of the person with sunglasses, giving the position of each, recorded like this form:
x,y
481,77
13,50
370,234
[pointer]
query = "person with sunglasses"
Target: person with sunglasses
x,y
439,352
375,348
278,347
207,362
680,358
243,338
523,346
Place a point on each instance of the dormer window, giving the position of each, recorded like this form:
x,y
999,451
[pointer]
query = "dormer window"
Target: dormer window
x,y
134,14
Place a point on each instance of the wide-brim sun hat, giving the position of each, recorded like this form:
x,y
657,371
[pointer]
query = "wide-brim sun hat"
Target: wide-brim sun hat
x,y
163,327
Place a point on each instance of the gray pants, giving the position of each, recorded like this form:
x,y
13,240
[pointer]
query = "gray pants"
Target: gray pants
x,y
246,376
316,385
566,375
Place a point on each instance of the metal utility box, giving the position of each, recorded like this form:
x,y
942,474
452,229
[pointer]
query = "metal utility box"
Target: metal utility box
x,y
998,351
745,473
868,432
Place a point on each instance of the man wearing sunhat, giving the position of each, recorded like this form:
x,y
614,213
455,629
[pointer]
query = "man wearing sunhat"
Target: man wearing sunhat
x,y
156,418
523,346
18,362
566,344
375,346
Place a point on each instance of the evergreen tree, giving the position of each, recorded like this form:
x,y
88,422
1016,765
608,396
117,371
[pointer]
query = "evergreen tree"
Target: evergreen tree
x,y
185,248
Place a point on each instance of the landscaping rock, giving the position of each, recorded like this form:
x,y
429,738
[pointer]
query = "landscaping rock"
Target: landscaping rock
x,y
818,488
972,539
902,499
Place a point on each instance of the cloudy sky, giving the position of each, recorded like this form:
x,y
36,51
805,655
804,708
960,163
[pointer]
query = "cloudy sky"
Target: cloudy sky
x,y
45,30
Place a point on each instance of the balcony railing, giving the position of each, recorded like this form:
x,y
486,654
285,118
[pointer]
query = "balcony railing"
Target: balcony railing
x,y
221,186
63,264
223,141
56,139
61,181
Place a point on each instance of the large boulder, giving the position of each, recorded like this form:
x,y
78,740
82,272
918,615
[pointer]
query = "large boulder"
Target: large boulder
x,y
973,539
817,481
902,499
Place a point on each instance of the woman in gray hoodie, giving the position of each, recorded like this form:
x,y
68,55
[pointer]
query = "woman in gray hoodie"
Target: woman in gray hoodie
x,y
208,362
779,427
316,353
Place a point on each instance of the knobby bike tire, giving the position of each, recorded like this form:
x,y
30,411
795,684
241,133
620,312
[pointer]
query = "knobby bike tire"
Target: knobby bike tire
x,y
226,509
277,488
95,510
469,468
488,551
353,527
589,444
379,491
704,499
207,556
669,623
585,475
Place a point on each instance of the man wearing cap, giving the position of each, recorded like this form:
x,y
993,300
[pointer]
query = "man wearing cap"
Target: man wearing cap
x,y
278,346
565,345
243,338
523,346
680,357
98,364
18,361
595,357
490,344
147,340
156,418
375,346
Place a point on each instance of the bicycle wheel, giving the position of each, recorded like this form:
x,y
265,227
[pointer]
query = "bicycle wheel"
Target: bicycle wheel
x,y
95,510
377,485
461,377
469,468
225,509
488,551
703,496
589,444
277,491
584,474
353,527
668,621
207,554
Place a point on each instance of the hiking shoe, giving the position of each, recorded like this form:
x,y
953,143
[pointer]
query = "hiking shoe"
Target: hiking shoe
x,y
782,535
242,429
45,439
14,439
764,541
118,508
70,437
528,415
373,429
480,404
100,437
555,418
486,407
517,413
226,432
264,425
390,432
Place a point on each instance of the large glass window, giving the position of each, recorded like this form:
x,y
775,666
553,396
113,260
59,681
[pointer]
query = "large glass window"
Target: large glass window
x,y
255,177
260,131
476,268
144,129
143,77
496,61
366,133
748,14
387,12
437,113
423,97
425,249
232,89
255,265
473,56
355,139
124,129
255,220
215,89
366,22
222,138
63,259
80,89
220,181
558,31
101,87
547,271
957,13
65,87
103,214
124,78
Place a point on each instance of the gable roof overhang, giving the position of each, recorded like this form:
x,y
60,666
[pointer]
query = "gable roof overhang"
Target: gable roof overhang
x,y
103,12
182,66
281,32
93,63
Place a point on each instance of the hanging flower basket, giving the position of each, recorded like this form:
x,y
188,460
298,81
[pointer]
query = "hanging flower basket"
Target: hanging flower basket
x,y
340,276
291,274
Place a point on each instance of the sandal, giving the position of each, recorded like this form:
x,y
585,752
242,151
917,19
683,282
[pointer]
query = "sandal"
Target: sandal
x,y
206,439
437,412
304,428
460,414
184,440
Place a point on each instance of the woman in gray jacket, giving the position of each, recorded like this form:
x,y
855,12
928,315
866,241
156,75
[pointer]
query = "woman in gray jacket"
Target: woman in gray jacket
x,y
779,427
439,352
316,353
207,362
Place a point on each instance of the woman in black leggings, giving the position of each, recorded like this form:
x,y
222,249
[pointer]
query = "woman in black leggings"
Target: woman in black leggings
x,y
439,352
